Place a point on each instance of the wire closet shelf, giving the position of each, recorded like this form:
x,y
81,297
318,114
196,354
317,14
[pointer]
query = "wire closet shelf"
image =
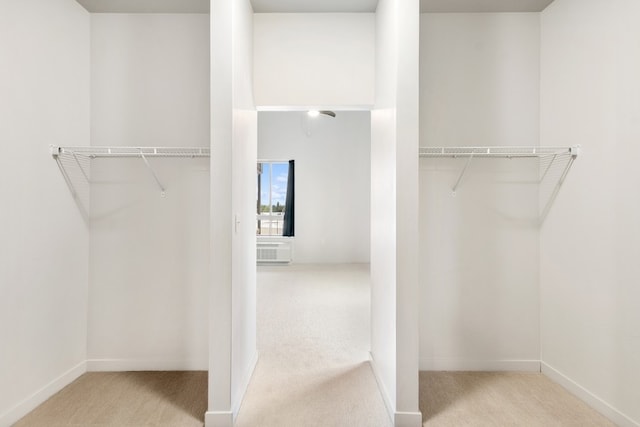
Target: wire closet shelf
x,y
507,152
75,164
553,161
95,152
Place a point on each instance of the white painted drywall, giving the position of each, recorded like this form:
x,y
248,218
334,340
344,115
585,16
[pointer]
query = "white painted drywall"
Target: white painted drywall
x,y
219,412
44,241
479,297
383,212
150,79
232,283
332,180
307,59
245,145
590,241
479,79
149,257
407,212
394,209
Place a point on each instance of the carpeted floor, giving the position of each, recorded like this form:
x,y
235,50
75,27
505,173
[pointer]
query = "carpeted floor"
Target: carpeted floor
x,y
449,399
126,399
313,338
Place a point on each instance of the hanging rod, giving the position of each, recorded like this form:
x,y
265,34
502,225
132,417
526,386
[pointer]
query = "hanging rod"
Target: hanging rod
x,y
95,152
508,152
503,152
89,152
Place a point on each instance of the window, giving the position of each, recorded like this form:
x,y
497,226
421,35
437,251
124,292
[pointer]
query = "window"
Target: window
x,y
275,192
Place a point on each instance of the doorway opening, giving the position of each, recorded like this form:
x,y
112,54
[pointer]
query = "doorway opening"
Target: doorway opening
x,y
313,312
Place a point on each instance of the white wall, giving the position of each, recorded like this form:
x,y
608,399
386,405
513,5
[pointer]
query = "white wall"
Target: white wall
x,y
394,210
479,86
590,241
321,59
333,180
245,145
232,283
479,79
44,242
383,212
149,255
149,79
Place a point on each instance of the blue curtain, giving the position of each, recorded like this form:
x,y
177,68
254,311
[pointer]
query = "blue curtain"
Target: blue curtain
x,y
288,228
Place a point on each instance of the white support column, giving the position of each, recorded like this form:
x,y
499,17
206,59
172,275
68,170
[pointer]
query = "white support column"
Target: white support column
x,y
232,346
219,413
407,206
394,210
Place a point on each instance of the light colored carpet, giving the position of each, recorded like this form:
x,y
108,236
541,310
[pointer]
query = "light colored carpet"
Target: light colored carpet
x,y
501,399
126,399
313,338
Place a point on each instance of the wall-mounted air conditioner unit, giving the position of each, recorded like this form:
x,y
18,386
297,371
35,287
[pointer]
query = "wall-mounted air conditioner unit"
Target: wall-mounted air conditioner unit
x,y
273,252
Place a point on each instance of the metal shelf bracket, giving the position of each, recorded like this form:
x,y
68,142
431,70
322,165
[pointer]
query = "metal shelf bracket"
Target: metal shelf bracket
x,y
575,152
90,152
462,174
163,192
555,154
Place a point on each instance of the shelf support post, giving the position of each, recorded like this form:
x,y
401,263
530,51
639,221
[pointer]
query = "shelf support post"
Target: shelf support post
x,y
464,171
153,173
84,173
556,190
555,156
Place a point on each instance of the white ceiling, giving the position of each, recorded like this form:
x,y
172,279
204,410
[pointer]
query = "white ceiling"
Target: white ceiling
x,y
471,6
310,6
202,6
146,6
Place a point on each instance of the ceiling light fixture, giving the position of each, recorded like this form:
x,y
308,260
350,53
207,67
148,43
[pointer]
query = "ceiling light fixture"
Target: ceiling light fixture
x,y
316,113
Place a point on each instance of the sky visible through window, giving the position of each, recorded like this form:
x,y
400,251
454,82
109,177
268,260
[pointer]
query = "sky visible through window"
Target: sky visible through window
x,y
279,173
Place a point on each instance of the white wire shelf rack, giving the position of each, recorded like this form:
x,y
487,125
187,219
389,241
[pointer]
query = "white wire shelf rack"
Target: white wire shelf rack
x,y
79,158
561,158
508,152
95,152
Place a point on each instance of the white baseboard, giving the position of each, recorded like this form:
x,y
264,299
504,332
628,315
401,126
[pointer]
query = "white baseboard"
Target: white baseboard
x,y
589,398
244,385
479,365
407,419
399,419
30,403
218,419
123,365
388,403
